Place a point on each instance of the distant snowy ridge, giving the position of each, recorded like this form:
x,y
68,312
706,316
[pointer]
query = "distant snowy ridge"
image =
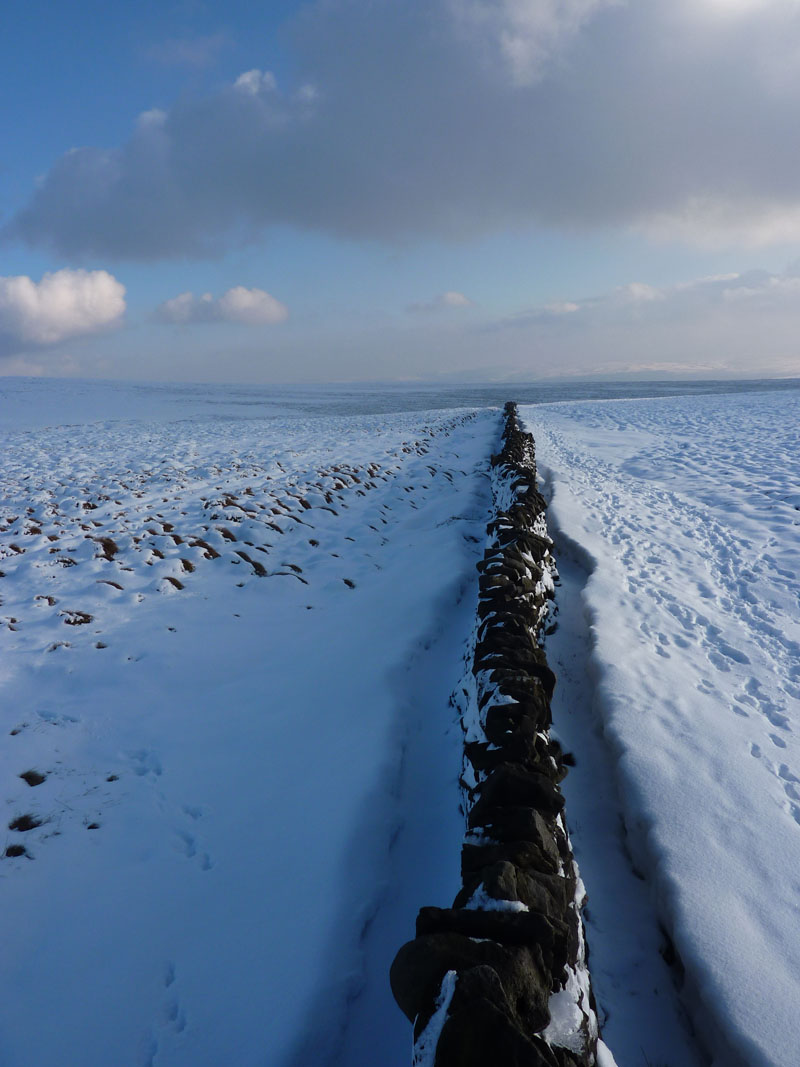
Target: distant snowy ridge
x,y
501,977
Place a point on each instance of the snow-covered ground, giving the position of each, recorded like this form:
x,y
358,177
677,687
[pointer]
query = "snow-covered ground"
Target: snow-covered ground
x,y
227,644
683,515
230,623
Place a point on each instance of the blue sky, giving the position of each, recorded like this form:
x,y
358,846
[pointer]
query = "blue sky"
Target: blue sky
x,y
369,189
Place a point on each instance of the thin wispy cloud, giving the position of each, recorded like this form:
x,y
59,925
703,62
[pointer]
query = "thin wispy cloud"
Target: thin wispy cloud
x,y
197,52
726,324
449,301
752,291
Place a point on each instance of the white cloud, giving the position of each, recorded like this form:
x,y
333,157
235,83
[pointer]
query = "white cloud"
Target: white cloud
x,y
638,292
182,308
155,116
450,299
307,94
251,307
64,304
256,81
733,8
715,222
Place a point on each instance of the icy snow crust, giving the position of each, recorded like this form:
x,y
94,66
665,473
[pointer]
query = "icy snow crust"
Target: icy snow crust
x,y
209,634
686,513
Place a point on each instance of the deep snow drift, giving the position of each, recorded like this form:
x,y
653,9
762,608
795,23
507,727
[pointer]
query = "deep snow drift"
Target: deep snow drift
x,y
687,514
217,636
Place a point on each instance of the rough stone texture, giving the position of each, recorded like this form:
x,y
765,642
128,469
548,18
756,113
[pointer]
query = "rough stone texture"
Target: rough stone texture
x,y
514,928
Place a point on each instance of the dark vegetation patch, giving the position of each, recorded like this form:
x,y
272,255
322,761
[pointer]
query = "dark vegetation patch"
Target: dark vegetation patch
x,y
33,778
259,568
16,850
23,823
210,552
109,547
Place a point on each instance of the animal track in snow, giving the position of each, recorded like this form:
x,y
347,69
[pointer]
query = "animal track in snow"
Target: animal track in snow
x,y
145,763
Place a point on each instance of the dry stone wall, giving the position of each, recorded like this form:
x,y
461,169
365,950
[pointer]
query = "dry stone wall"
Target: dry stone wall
x,y
500,978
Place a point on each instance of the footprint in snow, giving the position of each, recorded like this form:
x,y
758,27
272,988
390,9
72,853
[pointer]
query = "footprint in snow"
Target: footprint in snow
x,y
190,845
172,1019
145,763
55,718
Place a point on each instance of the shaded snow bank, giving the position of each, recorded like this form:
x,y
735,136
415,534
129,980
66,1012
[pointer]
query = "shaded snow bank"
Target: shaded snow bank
x,y
637,1004
688,508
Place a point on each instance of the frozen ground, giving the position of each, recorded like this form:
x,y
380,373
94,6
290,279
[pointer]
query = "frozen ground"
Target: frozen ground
x,y
226,645
679,521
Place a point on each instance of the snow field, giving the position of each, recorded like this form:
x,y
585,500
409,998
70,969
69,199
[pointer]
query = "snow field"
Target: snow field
x,y
211,630
686,514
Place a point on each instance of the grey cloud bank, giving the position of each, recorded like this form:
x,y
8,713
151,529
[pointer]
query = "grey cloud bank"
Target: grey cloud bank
x,y
457,117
